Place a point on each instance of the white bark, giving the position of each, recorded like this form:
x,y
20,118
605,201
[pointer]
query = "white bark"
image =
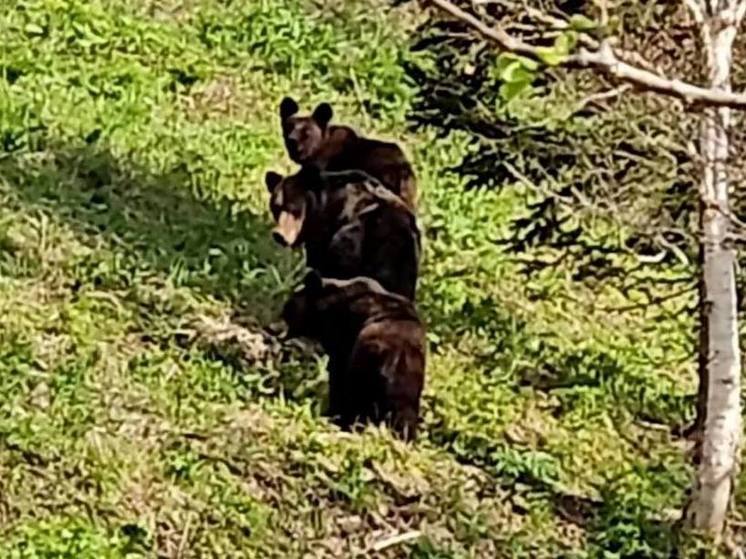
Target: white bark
x,y
720,443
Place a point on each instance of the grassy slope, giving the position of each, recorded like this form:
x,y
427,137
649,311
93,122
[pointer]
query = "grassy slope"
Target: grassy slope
x,y
135,137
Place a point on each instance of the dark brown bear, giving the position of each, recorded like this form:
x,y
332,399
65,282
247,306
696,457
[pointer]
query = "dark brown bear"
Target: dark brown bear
x,y
349,224
376,347
310,140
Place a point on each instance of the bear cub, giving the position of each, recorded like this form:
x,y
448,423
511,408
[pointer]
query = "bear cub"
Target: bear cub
x,y
376,346
349,224
310,140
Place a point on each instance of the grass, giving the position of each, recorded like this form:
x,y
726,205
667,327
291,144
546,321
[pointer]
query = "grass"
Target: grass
x,y
134,248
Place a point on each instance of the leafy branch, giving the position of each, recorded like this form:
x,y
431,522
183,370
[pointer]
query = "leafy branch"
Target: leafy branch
x,y
603,59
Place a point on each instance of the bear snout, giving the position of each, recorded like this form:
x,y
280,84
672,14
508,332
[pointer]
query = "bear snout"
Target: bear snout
x,y
287,232
279,239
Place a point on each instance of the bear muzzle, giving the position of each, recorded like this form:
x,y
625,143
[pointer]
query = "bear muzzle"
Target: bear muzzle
x,y
288,229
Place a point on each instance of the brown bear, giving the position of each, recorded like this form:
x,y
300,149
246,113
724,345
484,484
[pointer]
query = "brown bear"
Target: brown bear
x,y
349,224
310,140
376,346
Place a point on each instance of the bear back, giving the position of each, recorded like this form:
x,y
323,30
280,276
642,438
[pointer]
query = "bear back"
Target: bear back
x,y
376,346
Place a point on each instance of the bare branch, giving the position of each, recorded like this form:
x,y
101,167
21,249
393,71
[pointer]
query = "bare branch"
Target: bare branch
x,y
697,10
604,11
496,34
740,12
596,98
605,60
396,540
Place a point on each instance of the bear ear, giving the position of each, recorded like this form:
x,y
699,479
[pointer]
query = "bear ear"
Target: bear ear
x,y
272,179
288,107
323,114
313,282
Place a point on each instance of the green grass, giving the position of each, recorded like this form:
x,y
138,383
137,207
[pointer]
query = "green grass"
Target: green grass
x,y
134,138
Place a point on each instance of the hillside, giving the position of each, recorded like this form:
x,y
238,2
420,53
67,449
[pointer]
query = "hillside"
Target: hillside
x,y
136,268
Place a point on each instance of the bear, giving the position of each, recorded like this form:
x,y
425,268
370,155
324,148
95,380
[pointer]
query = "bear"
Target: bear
x,y
349,224
376,345
310,140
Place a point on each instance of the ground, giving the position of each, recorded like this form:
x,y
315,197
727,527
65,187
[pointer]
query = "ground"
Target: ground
x,y
146,410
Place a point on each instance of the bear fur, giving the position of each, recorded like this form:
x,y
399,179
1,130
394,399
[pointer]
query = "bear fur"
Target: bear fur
x,y
310,140
349,224
376,346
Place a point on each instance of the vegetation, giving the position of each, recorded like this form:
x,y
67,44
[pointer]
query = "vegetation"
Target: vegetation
x,y
134,254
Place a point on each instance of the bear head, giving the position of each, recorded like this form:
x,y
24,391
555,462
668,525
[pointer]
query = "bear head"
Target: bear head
x,y
300,312
304,135
291,200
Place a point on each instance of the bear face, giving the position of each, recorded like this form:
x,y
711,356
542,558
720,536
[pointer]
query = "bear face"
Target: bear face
x,y
300,312
290,198
304,136
376,347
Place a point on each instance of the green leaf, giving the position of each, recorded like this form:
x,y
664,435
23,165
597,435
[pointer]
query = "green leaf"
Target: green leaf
x,y
518,73
556,54
504,61
507,58
507,71
550,56
511,68
529,64
511,90
565,42
579,22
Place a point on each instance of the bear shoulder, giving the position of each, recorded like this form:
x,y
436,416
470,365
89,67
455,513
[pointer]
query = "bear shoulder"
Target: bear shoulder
x,y
372,303
359,183
339,141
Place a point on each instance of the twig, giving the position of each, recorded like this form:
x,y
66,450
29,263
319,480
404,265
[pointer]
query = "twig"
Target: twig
x,y
695,7
733,548
360,97
604,60
604,11
655,300
184,537
602,96
396,540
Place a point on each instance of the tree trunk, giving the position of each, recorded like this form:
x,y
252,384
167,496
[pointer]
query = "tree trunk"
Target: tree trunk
x,y
720,362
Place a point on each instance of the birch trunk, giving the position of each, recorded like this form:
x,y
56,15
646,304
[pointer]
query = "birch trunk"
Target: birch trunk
x,y
720,361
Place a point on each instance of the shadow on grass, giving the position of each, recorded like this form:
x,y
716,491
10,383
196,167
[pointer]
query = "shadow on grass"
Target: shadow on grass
x,y
153,224
625,518
147,230
625,521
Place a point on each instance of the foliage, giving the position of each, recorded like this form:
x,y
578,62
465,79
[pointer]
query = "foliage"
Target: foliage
x,y
132,213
